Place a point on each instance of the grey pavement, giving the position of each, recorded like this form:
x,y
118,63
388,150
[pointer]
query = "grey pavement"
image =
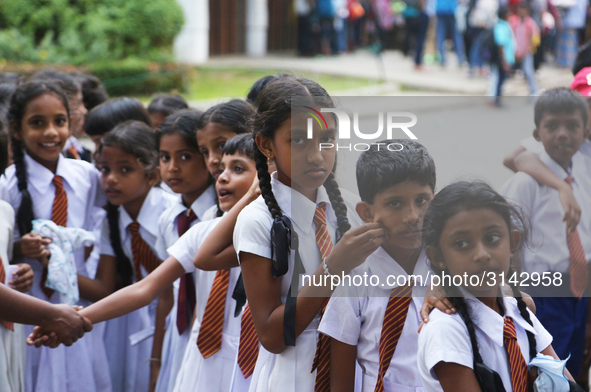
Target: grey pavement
x,y
396,70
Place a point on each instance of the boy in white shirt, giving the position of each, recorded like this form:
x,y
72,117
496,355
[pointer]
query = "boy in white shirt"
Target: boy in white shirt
x,y
561,117
395,189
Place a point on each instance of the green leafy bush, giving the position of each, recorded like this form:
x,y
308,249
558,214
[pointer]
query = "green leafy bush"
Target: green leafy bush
x,y
82,31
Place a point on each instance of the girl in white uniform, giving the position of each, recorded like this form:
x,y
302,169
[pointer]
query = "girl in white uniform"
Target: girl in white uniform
x,y
182,167
302,187
128,162
470,230
39,120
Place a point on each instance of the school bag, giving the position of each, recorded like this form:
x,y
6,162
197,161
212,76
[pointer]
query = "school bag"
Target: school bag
x,y
489,51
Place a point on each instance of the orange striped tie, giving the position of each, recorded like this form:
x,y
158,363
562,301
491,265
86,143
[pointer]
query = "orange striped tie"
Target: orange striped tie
x,y
73,152
209,341
322,357
59,216
579,272
142,253
248,351
517,363
394,320
7,324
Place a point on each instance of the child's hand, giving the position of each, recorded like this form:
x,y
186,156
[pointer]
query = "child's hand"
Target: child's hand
x,y
435,298
572,211
254,192
32,245
354,247
24,278
65,326
154,372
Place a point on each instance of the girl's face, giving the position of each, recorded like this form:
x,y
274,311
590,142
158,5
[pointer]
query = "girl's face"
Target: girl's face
x,y
475,243
182,167
211,140
45,129
238,173
301,163
124,179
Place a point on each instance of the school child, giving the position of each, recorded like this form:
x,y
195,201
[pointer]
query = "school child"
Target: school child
x,y
525,157
43,184
128,162
104,117
561,117
73,90
163,105
218,124
234,186
182,168
93,91
470,230
12,343
301,198
395,189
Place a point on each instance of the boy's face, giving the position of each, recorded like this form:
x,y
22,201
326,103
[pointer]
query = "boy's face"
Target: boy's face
x,y
400,209
562,135
236,178
522,11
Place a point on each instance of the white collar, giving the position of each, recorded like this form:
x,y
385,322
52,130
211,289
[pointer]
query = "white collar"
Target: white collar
x,y
41,177
554,166
492,323
146,217
73,142
382,264
199,206
297,206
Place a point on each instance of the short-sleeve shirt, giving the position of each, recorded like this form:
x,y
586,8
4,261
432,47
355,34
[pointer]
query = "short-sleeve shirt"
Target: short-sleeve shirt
x,y
445,338
504,38
355,316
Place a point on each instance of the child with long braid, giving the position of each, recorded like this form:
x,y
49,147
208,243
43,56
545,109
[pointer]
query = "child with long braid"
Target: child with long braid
x,y
469,229
302,201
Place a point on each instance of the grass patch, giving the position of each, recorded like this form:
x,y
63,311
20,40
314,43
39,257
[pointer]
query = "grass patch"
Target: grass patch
x,y
209,83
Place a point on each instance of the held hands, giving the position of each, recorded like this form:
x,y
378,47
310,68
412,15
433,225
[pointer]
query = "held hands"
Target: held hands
x,y
24,278
65,326
32,245
354,247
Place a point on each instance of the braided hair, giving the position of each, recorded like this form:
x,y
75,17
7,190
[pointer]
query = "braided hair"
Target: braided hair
x,y
461,196
273,108
138,139
21,97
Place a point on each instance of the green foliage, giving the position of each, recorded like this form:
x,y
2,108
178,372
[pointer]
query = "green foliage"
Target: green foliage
x,y
81,31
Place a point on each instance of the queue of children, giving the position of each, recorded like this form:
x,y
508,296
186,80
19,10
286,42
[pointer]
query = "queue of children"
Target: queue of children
x,y
204,224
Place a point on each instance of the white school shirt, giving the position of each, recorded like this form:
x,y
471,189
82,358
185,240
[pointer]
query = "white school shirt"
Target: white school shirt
x,y
536,147
290,370
173,345
214,373
82,367
129,338
355,316
445,338
12,343
549,247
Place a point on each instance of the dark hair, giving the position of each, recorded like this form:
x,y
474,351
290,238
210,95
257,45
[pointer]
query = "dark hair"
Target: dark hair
x,y
379,168
241,144
259,85
503,12
583,59
6,91
108,114
9,77
21,97
68,83
138,139
3,148
184,122
462,196
167,104
233,114
93,91
274,108
560,100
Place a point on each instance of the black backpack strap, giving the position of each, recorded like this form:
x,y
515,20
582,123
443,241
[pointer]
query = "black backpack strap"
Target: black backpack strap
x,y
239,295
289,313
